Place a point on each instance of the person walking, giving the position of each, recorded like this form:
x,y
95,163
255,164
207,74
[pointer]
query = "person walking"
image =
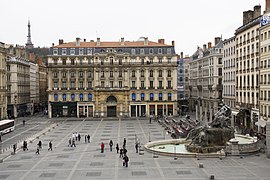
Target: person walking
x,y
126,159
124,151
150,119
117,148
124,143
37,152
39,144
136,147
88,138
85,138
23,122
102,147
14,148
50,146
73,143
121,153
69,142
111,145
79,137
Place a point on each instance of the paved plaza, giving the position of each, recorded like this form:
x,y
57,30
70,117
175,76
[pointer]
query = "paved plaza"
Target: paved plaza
x,y
86,162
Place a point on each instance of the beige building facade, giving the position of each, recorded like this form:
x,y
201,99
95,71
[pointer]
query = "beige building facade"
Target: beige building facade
x,y
206,80
3,81
112,79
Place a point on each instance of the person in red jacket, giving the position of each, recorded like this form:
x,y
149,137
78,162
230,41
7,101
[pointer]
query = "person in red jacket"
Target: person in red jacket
x,y
102,147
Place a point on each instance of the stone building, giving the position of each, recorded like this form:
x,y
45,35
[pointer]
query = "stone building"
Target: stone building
x,y
43,85
34,87
264,100
247,69
3,81
18,81
229,55
112,79
206,80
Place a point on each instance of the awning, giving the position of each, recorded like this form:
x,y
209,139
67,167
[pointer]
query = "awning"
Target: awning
x,y
261,123
235,113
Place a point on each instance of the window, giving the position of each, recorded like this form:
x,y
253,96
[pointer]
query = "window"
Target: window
x,y
160,73
133,84
81,97
55,74
133,51
102,61
89,61
89,84
169,60
141,51
89,74
151,73
151,97
159,51
55,84
169,73
72,61
55,96
72,74
64,61
111,60
72,97
120,73
151,61
120,62
55,51
142,96
102,84
64,84
169,84
90,97
142,73
120,84
89,51
133,96
102,74
151,84
111,84
169,96
81,74
72,84
80,51
64,97
151,51
160,96
160,84
72,51
81,62
169,51
142,61
81,84
142,84
133,73
55,61
111,73
159,60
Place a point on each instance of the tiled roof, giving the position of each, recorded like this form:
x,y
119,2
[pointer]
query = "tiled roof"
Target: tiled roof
x,y
111,44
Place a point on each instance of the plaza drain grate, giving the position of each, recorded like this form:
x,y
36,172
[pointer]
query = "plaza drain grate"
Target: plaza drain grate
x,y
47,175
96,164
99,155
93,174
56,164
136,163
183,172
138,173
3,176
14,166
62,156
68,149
176,162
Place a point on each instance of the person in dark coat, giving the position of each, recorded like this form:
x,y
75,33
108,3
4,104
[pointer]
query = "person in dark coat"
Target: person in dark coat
x,y
124,151
79,137
39,144
136,147
111,144
88,138
14,148
125,160
117,148
124,143
50,146
121,153
37,152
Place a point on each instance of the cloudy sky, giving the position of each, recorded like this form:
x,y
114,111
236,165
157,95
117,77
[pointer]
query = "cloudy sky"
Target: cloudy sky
x,y
190,23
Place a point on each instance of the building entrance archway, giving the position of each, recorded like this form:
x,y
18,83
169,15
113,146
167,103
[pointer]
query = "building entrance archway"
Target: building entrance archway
x,y
111,106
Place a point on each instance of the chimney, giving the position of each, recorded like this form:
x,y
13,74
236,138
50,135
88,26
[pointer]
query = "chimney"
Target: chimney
x,y
61,41
217,40
122,41
172,43
204,47
267,6
146,41
257,11
98,41
52,44
181,55
209,45
78,41
84,40
161,41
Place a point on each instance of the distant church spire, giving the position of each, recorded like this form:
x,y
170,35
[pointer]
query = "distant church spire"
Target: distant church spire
x,y
29,44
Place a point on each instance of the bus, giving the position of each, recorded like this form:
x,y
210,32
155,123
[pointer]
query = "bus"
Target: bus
x,y
7,126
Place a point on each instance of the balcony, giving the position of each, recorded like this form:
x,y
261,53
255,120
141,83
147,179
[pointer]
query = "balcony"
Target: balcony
x,y
142,88
169,87
72,88
160,87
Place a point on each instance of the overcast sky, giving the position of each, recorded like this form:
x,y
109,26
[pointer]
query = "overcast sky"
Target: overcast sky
x,y
188,22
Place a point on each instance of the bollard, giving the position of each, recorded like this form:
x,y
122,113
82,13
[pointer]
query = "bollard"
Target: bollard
x,y
200,165
212,176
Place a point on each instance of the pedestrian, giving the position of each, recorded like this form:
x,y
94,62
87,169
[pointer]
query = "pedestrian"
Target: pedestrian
x,y
79,137
39,144
73,136
50,146
69,142
136,147
126,159
85,138
37,152
117,148
111,144
76,136
14,148
102,147
25,145
88,138
73,143
23,122
150,119
121,153
124,143
0,137
124,151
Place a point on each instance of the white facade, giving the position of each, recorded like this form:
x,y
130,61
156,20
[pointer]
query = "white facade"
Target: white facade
x,y
34,87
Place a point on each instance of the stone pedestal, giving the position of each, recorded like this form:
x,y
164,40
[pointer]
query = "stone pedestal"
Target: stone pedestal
x,y
235,147
268,139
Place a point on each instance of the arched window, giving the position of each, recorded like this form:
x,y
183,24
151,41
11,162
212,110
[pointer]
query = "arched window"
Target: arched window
x,y
160,73
151,73
55,97
133,73
72,97
81,97
169,96
64,96
90,97
133,96
151,97
160,96
142,96
169,73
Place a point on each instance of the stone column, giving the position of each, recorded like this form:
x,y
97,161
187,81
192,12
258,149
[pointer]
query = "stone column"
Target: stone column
x,y
200,116
50,110
197,116
268,139
211,115
205,114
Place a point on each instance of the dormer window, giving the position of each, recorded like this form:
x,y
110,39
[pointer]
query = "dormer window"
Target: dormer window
x,y
151,51
72,51
55,51
141,51
64,51
169,51
159,51
133,51
89,51
80,51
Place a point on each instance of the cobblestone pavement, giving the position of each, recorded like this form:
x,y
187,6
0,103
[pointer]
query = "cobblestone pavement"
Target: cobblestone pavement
x,y
86,162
